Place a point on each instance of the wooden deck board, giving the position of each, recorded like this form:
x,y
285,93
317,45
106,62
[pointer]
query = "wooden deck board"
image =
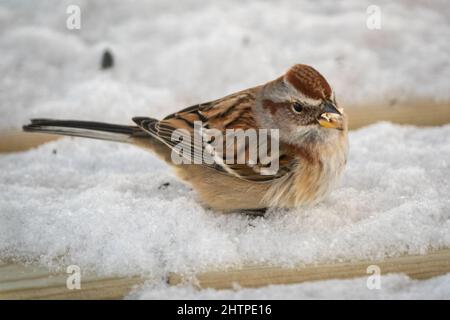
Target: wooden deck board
x,y
19,281
415,266
14,141
32,282
418,113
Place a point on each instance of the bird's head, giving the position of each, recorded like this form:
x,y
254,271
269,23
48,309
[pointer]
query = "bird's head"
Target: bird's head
x,y
302,105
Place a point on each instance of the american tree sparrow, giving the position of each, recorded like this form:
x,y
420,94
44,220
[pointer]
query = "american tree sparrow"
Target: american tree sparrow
x,y
312,151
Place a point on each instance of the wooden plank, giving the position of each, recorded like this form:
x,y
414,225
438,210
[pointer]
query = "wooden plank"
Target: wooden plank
x,y
417,267
420,113
14,141
33,282
114,288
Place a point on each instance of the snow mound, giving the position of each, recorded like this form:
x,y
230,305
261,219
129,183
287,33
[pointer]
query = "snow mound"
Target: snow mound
x,y
392,286
116,209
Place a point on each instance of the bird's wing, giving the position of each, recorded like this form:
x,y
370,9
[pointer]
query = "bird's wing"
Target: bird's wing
x,y
202,120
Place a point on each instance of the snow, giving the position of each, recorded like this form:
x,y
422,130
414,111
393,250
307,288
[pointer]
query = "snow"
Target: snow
x,y
392,286
107,207
171,54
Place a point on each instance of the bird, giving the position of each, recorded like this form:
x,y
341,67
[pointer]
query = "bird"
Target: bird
x,y
299,108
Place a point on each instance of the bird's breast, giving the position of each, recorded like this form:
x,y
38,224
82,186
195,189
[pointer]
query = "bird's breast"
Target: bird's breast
x,y
316,173
314,181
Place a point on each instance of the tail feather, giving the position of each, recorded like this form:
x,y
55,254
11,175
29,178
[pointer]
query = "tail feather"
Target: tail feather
x,y
86,129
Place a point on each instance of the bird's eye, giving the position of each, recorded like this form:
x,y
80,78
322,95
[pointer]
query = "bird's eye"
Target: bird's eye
x,y
297,107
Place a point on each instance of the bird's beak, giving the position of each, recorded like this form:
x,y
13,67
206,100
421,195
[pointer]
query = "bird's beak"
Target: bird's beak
x,y
331,117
